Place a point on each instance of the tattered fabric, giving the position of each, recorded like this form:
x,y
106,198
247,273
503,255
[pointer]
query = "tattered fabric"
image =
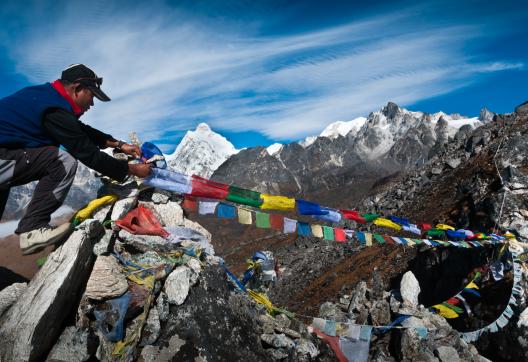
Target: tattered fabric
x,y
202,187
271,202
169,180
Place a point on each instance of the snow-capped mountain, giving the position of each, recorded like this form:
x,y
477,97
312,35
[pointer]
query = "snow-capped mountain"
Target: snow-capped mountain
x,y
336,129
201,152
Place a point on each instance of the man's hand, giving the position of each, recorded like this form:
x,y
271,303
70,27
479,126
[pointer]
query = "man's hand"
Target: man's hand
x,y
139,169
131,150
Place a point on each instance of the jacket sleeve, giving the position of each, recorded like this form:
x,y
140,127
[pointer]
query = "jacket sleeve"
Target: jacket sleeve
x,y
96,136
65,129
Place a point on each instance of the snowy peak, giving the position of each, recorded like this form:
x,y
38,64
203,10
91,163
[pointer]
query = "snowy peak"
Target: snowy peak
x,y
274,149
341,128
201,152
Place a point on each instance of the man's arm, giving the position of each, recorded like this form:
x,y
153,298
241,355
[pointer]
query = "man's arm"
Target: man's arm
x,y
67,130
101,139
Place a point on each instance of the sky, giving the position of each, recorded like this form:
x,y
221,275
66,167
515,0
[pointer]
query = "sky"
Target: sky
x,y
260,72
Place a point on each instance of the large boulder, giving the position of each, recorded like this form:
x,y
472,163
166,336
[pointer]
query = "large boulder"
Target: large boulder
x,y
32,325
10,295
106,280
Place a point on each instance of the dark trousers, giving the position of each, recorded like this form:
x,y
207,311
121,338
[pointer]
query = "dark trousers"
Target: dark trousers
x,y
53,168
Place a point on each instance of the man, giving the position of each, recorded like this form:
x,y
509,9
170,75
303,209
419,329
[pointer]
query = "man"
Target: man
x,y
34,123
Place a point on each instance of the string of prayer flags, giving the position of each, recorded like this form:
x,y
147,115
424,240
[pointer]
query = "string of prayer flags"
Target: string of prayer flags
x,y
277,222
202,187
304,229
379,238
317,230
455,235
309,208
270,202
353,215
435,233
361,237
387,223
169,180
225,211
339,235
262,220
399,220
207,207
243,196
424,227
444,227
412,228
328,233
331,216
445,312
290,225
370,217
245,216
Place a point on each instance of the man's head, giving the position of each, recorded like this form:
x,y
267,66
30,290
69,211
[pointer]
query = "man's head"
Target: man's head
x,y
83,84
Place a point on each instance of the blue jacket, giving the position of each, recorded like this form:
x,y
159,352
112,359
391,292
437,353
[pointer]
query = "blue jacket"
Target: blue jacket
x,y
21,116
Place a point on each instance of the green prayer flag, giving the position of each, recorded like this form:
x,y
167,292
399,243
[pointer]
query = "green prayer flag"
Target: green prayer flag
x,y
370,217
435,233
453,308
328,233
379,238
417,241
245,197
262,220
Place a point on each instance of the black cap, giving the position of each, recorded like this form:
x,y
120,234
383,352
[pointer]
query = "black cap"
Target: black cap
x,y
80,73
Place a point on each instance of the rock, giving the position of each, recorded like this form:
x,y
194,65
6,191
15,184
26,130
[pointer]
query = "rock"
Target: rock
x,y
129,189
92,227
289,332
409,289
523,319
162,303
331,311
161,196
436,171
74,345
177,285
151,330
103,246
195,226
101,213
453,162
10,295
380,312
122,207
169,214
277,354
282,321
158,354
31,326
146,243
358,298
522,109
106,280
150,258
306,347
281,341
447,354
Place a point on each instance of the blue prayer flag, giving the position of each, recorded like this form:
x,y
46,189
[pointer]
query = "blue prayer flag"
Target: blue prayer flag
x,y
304,229
309,208
226,211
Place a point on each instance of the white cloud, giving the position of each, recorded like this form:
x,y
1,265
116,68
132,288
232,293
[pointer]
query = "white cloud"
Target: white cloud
x,y
167,71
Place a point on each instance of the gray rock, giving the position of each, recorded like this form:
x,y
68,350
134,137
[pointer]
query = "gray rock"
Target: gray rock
x,y
409,289
162,354
129,189
282,321
177,285
152,328
162,303
102,213
106,280
331,311
122,207
306,347
277,354
10,295
150,258
169,214
447,354
522,109
436,170
287,331
146,243
358,298
453,162
282,341
161,196
380,312
74,345
103,246
31,326
195,226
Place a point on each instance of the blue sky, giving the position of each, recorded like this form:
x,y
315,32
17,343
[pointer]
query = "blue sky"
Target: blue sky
x,y
260,72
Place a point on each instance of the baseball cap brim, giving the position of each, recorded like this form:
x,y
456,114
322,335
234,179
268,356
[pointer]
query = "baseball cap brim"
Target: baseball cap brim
x,y
99,94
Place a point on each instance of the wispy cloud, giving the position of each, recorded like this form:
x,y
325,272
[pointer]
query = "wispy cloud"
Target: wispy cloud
x,y
167,71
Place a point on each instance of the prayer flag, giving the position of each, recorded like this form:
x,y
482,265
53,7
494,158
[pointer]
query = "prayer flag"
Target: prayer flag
x,y
202,187
368,239
353,215
328,233
396,240
207,207
399,220
245,217
289,225
444,227
309,208
361,237
339,235
190,204
169,180
370,217
317,230
277,222
245,197
435,233
304,229
388,239
379,238
412,228
387,223
225,211
271,202
424,226
332,216
262,220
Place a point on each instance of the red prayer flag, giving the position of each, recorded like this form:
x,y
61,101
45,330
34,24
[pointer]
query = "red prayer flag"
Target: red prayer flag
x,y
202,187
353,215
424,227
339,235
190,204
453,301
143,222
277,222
388,239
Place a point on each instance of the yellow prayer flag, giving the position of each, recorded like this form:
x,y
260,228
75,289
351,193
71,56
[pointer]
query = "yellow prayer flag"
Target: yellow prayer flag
x,y
444,227
271,202
317,230
472,285
387,223
244,216
445,312
409,242
368,239
93,205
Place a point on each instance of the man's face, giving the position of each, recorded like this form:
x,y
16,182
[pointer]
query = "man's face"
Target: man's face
x,y
84,99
